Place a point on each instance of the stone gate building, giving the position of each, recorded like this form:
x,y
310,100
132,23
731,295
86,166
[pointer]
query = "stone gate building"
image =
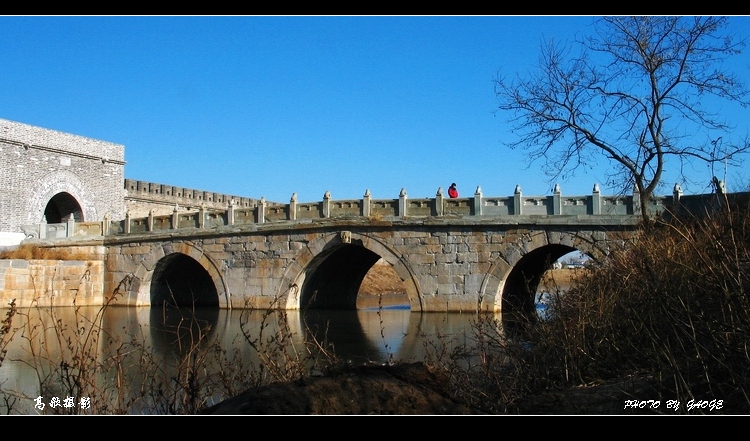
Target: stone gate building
x,y
55,176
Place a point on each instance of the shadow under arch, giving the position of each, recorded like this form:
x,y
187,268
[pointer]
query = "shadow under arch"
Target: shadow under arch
x,y
138,288
324,284
178,280
334,277
341,260
63,207
522,282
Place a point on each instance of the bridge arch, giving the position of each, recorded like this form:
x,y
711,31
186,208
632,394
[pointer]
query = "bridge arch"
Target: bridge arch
x,y
511,283
184,265
179,280
523,280
338,262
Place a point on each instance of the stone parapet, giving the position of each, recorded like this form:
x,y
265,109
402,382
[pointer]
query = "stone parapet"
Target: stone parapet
x,y
213,211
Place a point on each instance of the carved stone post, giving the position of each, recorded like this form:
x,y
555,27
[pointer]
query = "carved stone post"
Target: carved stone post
x,y
262,210
596,200
293,207
402,203
151,220
556,200
127,221
439,202
478,201
230,212
71,227
327,204
677,192
636,201
517,200
202,216
366,201
175,218
43,228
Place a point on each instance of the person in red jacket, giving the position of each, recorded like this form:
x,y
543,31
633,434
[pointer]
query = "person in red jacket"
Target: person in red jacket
x,y
453,191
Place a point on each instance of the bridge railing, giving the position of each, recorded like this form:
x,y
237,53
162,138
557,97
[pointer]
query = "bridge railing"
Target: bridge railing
x,y
403,207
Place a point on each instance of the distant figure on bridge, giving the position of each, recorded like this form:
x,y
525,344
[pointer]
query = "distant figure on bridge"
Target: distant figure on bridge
x,y
453,191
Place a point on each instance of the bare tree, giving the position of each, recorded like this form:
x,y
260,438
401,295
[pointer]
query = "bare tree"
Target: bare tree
x,y
634,94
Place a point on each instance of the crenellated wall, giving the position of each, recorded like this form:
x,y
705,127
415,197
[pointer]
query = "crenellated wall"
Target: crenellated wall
x,y
142,197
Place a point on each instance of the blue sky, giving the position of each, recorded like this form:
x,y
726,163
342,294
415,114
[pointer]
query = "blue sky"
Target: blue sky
x,y
270,106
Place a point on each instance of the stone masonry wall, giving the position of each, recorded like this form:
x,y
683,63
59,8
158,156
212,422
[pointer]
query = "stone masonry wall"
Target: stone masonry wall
x,y
39,163
46,283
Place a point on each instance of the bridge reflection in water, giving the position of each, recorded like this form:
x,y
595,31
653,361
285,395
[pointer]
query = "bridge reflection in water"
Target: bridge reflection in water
x,y
359,336
146,344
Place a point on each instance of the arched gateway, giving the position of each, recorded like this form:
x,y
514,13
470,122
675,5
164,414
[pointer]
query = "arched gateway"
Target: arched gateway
x,y
50,176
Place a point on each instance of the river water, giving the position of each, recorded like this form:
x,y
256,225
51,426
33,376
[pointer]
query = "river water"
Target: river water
x,y
139,336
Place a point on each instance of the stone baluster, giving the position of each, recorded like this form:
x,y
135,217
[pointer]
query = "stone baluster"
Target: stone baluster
x,y
636,200
478,201
175,217
151,220
366,203
230,212
556,200
677,192
402,203
71,226
262,210
202,215
517,202
439,202
293,207
327,204
596,200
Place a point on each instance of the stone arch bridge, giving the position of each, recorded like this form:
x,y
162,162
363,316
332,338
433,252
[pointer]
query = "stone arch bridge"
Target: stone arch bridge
x,y
484,254
445,264
478,254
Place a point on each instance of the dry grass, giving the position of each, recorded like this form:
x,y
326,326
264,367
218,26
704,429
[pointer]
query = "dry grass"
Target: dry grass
x,y
5,330
32,252
672,311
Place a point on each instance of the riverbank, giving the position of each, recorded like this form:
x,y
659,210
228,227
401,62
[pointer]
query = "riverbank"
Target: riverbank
x,y
416,389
